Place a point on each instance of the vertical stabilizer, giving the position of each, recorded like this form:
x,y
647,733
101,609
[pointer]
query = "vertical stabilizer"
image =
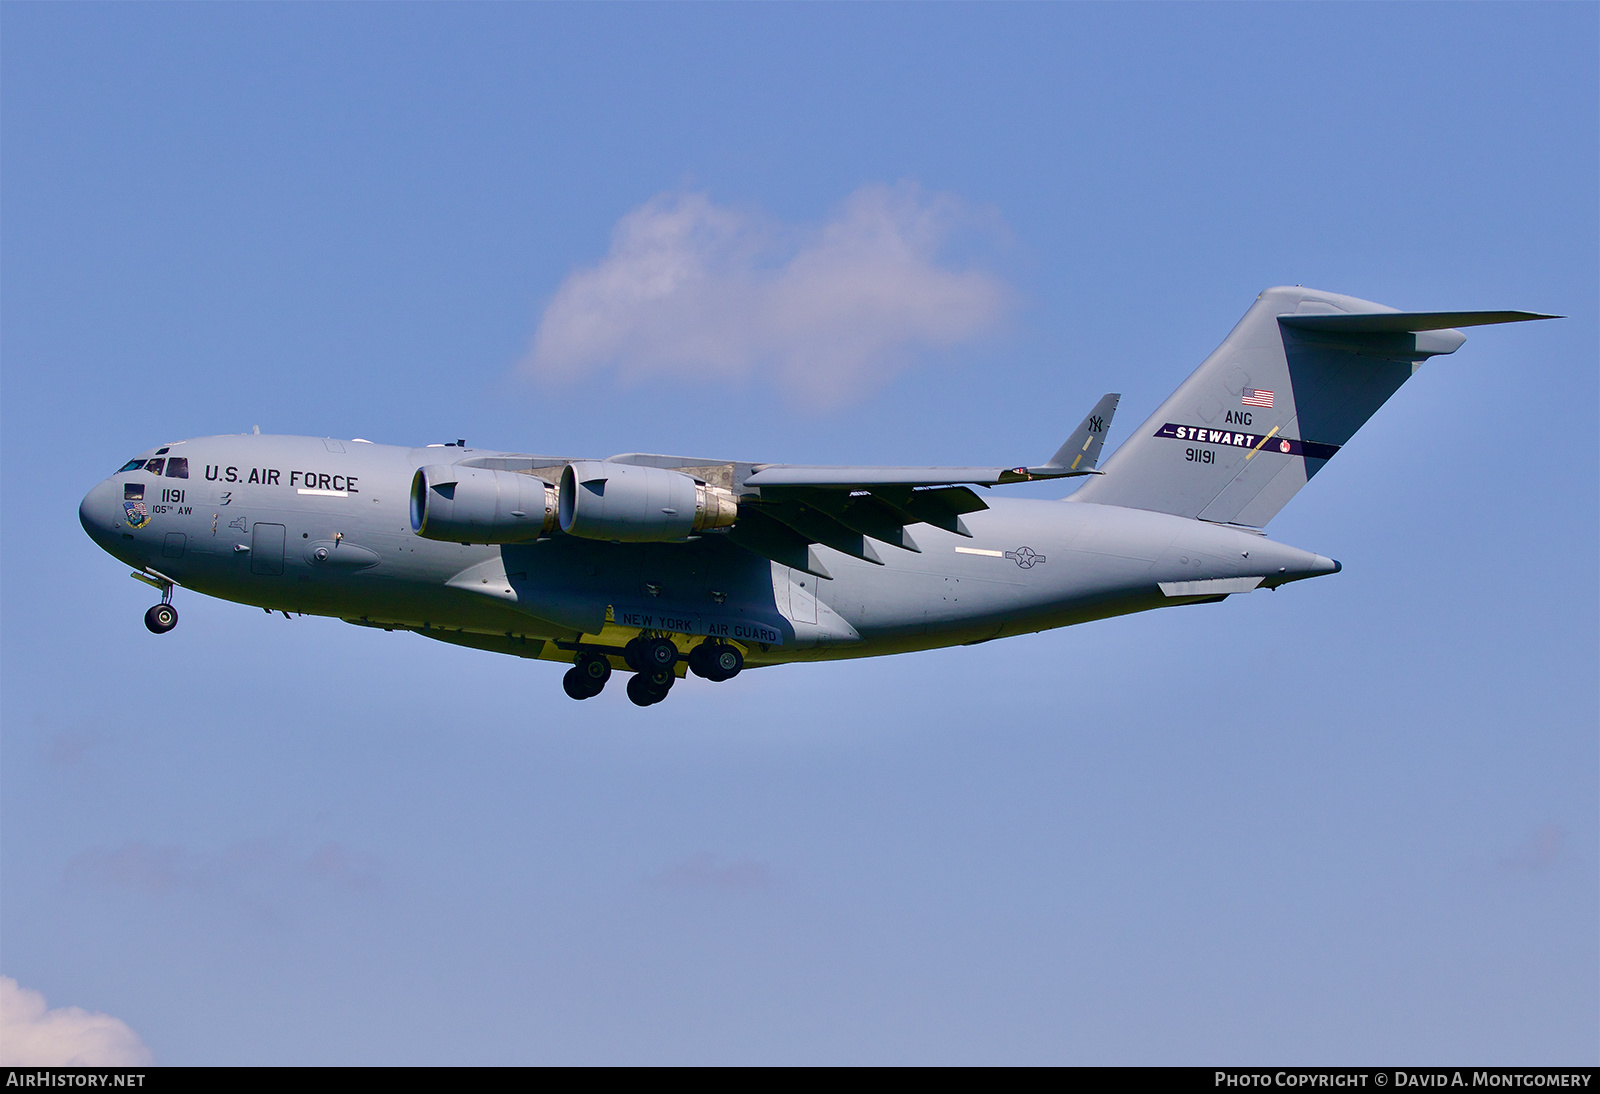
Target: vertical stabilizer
x,y
1293,381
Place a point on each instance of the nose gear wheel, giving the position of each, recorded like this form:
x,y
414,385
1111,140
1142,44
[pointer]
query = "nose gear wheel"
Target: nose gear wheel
x,y
161,618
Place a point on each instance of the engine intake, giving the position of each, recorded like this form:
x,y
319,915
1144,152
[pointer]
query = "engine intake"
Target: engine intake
x,y
631,504
475,505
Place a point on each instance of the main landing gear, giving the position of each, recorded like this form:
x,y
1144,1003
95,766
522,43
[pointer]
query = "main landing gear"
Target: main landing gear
x,y
715,661
648,688
653,662
587,676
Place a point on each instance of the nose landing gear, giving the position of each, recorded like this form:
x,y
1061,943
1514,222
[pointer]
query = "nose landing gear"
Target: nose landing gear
x,y
163,617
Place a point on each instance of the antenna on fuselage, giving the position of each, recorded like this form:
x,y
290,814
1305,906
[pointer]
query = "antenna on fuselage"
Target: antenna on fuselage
x,y
255,429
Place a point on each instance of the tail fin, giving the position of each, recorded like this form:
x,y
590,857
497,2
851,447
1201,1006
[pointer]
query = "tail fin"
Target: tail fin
x,y
1301,372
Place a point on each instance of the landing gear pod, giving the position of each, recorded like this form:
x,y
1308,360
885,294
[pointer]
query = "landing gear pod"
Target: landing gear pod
x,y
475,505
631,504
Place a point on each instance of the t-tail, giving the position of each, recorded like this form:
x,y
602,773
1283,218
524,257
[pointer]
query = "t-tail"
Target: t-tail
x,y
1291,384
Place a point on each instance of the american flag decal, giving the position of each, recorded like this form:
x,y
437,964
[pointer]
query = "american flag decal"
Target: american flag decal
x,y
1256,397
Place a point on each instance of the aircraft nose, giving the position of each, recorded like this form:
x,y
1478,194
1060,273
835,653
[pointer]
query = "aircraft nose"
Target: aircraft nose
x,y
98,512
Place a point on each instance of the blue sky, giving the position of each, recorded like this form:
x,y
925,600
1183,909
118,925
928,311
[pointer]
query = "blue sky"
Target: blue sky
x,y
1352,821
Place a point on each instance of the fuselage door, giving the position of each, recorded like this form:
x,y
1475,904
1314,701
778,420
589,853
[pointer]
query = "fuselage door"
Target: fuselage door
x,y
802,597
266,550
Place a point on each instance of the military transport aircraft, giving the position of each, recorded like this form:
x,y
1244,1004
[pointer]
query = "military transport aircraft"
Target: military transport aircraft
x,y
661,564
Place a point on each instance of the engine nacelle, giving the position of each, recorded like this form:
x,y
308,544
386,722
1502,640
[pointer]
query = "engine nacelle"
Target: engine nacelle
x,y
632,504
476,505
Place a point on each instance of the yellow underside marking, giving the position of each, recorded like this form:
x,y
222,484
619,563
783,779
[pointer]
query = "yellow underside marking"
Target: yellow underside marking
x,y
979,551
1263,441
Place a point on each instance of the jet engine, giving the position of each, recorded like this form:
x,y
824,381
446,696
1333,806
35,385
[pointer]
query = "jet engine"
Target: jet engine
x,y
631,504
475,505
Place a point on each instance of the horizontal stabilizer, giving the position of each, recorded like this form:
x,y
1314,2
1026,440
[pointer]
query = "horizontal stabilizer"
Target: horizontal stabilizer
x,y
1406,322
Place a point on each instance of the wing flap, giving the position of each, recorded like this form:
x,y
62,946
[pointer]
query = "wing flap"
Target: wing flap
x,y
770,538
782,524
941,507
818,527
862,512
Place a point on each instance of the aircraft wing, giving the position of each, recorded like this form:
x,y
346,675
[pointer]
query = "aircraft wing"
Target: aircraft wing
x,y
785,474
847,508
785,510
1077,456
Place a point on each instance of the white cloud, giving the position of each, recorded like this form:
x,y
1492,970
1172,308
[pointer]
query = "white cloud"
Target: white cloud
x,y
70,747
1542,851
262,866
706,292
135,865
705,872
32,1035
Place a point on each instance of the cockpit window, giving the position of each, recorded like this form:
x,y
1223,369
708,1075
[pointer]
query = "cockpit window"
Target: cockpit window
x,y
162,451
178,467
131,465
154,467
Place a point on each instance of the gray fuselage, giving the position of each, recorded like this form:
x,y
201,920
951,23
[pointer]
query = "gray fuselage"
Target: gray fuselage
x,y
322,527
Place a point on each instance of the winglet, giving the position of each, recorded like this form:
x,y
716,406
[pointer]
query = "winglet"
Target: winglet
x,y
1082,450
